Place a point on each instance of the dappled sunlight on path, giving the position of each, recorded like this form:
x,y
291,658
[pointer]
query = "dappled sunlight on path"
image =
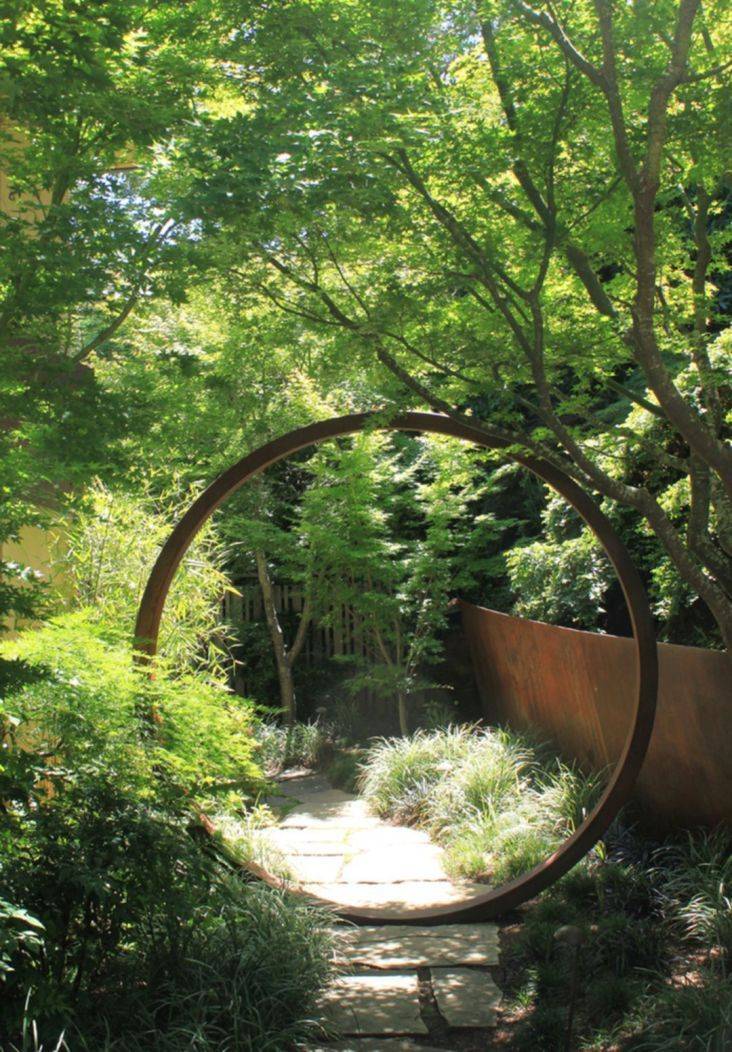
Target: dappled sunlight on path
x,y
336,850
397,984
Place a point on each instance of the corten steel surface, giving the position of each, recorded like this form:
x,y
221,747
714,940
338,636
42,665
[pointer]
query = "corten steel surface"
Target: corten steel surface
x,y
576,687
496,901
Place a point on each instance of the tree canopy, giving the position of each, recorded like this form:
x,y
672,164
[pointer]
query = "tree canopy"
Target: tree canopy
x,y
517,214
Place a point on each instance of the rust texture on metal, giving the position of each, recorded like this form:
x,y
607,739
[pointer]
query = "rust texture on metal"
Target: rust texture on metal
x,y
495,901
576,687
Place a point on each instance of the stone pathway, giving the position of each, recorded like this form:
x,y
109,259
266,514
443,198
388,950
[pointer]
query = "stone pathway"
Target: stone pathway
x,y
400,987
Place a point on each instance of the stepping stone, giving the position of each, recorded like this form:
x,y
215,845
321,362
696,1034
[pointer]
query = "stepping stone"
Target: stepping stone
x,y
409,894
466,996
381,864
388,836
309,850
315,867
339,852
374,1004
407,946
322,798
312,837
331,815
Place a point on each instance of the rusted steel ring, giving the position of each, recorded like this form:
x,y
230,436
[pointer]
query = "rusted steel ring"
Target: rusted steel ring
x,y
494,902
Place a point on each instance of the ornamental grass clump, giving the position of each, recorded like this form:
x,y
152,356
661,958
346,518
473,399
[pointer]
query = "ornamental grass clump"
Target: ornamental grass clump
x,y
490,776
280,748
695,878
497,802
399,775
567,794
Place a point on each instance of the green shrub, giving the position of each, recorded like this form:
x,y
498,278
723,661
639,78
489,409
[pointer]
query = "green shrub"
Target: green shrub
x,y
568,794
145,940
563,580
399,774
693,1017
301,745
695,881
488,778
344,770
21,937
498,802
609,995
217,964
548,1028
250,975
110,547
87,700
646,913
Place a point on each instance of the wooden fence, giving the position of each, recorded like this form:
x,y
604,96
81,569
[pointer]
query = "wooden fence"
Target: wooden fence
x,y
340,634
578,689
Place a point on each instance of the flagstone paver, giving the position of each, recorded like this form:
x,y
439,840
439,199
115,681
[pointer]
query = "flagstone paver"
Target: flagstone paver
x,y
374,1004
465,996
338,851
403,946
386,863
392,896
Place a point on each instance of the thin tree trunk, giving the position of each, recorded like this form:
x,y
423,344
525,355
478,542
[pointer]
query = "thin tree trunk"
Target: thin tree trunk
x,y
284,668
403,715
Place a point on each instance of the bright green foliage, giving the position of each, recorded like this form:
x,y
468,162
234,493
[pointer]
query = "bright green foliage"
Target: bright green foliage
x,y
124,925
142,932
384,525
88,95
377,529
110,546
562,578
88,703
84,92
442,190
516,214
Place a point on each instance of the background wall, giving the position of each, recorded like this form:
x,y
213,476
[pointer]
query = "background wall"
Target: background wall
x,y
578,689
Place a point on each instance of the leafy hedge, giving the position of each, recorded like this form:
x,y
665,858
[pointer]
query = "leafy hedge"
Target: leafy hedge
x,y
118,920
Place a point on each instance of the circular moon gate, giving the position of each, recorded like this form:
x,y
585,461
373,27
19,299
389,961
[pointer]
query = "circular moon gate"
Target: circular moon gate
x,y
496,901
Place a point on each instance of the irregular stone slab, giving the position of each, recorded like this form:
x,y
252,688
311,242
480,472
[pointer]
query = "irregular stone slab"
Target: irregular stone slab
x,y
466,996
312,868
293,787
374,1004
313,837
407,946
381,864
344,826
336,815
405,895
310,850
321,797
387,836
